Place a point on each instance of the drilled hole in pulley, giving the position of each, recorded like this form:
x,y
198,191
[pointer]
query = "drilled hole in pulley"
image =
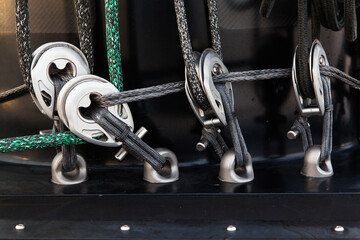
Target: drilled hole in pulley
x,y
218,104
68,70
46,97
85,112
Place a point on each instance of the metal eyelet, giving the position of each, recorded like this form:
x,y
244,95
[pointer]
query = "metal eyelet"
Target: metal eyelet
x,y
79,175
227,169
75,95
61,55
313,167
152,176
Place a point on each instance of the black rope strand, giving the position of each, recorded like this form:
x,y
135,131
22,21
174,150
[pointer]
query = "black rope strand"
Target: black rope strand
x,y
23,40
84,30
302,54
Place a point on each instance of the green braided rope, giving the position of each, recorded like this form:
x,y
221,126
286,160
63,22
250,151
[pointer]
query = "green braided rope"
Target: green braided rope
x,y
116,77
39,141
113,43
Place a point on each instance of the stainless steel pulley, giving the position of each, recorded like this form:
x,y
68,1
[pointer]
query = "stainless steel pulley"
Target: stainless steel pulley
x,y
75,97
49,59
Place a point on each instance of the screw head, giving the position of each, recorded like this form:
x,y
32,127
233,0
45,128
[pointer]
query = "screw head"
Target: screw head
x,y
322,60
216,69
125,228
20,226
339,228
231,228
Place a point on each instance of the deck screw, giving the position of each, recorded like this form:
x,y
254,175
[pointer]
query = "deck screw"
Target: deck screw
x,y
19,226
125,228
339,228
231,228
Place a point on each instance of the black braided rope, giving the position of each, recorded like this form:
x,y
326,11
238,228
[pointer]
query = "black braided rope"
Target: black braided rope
x,y
84,30
23,40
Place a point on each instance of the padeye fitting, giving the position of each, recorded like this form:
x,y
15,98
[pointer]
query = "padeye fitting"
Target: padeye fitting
x,y
167,174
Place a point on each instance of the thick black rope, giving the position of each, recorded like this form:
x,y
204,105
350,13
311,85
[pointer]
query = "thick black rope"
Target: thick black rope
x,y
175,87
84,30
69,154
122,132
187,52
302,53
14,93
350,22
23,40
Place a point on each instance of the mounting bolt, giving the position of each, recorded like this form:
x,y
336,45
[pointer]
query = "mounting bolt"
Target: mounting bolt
x,y
339,228
125,228
20,226
231,228
292,134
202,144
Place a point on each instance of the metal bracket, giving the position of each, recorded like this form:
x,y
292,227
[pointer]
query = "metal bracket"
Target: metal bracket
x,y
170,175
60,55
75,96
227,169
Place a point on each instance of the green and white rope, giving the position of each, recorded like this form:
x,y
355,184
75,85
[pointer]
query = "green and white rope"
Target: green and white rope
x,y
39,141
113,43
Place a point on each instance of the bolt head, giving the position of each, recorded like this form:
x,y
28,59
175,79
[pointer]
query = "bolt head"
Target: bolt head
x,y
216,69
322,60
125,228
20,226
231,228
339,228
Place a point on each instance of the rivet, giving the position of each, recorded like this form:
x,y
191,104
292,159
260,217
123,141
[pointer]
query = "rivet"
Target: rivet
x,y
339,228
20,226
231,228
125,228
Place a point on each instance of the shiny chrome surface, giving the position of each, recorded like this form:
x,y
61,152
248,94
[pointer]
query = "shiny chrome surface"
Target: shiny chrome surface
x,y
76,95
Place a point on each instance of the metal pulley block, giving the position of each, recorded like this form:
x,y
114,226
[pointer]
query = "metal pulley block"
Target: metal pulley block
x,y
167,174
50,59
208,65
229,174
313,165
74,100
317,58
